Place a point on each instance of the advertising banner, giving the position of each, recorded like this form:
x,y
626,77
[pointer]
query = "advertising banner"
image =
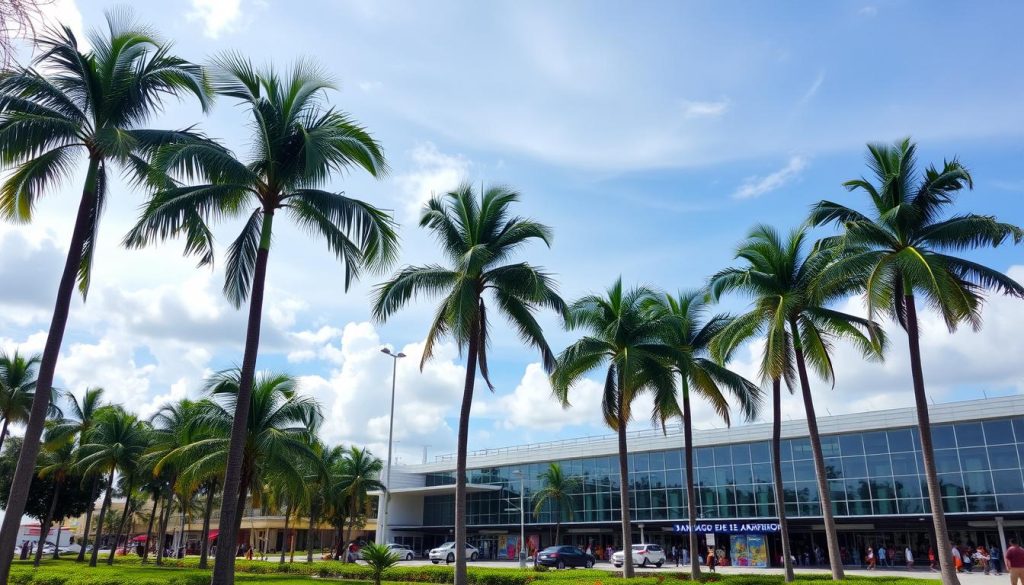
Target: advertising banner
x,y
757,550
738,550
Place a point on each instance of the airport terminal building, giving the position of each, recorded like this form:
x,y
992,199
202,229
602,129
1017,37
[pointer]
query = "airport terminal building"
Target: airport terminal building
x,y
875,477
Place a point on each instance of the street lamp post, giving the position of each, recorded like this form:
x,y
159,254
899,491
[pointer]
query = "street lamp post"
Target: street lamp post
x,y
522,518
383,525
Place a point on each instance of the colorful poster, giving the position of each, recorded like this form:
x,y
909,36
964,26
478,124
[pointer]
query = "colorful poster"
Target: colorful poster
x,y
757,551
510,549
532,544
503,548
738,550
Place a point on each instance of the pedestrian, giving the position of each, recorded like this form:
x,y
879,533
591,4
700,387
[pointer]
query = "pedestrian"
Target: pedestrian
x,y
995,560
1015,562
958,560
686,555
908,555
711,560
819,557
870,558
931,558
981,558
608,552
882,553
675,554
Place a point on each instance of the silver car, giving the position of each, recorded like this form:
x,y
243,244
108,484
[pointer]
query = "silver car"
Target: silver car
x,y
446,553
401,551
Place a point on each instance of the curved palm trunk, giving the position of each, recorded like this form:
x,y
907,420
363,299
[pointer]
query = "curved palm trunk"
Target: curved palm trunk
x,y
309,534
780,493
461,576
627,529
45,528
88,518
824,495
691,493
165,519
204,553
3,433
291,549
99,521
284,538
149,529
558,523
124,518
224,564
56,549
942,542
44,380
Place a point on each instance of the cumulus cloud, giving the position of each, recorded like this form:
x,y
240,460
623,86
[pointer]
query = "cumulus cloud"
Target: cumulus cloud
x,y
758,186
29,271
704,109
217,16
433,173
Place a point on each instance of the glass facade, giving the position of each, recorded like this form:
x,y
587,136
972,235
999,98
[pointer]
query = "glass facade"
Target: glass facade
x,y
871,473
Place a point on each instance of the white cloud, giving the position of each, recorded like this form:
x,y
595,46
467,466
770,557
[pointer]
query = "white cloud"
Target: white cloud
x,y
704,109
433,173
757,186
218,16
63,12
812,90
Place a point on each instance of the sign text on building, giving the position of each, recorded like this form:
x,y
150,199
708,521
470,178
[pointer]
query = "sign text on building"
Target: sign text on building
x,y
729,527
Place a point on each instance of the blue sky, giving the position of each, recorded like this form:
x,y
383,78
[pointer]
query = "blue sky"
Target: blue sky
x,y
651,136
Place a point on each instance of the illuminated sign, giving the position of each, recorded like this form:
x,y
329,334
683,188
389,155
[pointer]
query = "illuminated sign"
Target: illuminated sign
x,y
729,527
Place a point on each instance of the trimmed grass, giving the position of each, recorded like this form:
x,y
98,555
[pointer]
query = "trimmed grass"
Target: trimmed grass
x,y
185,572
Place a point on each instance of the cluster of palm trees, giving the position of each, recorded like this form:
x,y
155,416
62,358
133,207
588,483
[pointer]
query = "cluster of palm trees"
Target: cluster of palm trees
x,y
175,460
70,103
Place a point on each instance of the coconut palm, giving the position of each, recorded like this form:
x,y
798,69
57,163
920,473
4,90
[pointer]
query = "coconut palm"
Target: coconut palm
x,y
621,335
690,333
58,463
358,474
116,443
320,479
298,144
792,310
557,489
477,237
17,389
906,246
70,103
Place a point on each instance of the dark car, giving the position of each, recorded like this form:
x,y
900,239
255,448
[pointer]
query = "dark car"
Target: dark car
x,y
564,556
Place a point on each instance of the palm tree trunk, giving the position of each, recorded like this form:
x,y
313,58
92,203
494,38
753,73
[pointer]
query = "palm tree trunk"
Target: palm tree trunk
x,y
99,521
461,575
824,495
224,564
942,542
165,519
346,540
204,552
88,517
284,537
309,533
124,517
780,493
691,493
149,529
627,529
56,549
44,530
3,433
44,380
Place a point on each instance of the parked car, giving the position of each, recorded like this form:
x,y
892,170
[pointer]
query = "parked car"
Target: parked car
x,y
564,556
446,553
644,555
403,552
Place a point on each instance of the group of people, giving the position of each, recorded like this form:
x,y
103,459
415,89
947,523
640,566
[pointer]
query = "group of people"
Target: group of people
x,y
988,559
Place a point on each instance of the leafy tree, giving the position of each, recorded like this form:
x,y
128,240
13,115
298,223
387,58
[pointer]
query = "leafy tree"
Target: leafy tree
x,y
17,389
79,103
791,309
358,474
621,334
558,489
298,144
690,335
906,246
477,236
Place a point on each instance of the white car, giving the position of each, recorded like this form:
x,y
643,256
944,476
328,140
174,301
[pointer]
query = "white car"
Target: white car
x,y
401,551
446,553
644,555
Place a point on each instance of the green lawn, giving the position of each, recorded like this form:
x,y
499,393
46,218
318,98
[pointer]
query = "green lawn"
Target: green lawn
x,y
185,572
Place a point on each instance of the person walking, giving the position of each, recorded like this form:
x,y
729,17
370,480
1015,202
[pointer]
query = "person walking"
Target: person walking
x,y
931,559
686,556
908,555
870,558
1015,562
675,554
882,560
995,560
711,560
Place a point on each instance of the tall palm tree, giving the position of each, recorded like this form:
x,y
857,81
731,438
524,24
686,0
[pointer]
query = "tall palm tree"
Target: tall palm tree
x,y
92,103
298,144
558,489
792,309
321,480
57,463
626,338
906,246
477,237
691,335
17,389
359,474
116,442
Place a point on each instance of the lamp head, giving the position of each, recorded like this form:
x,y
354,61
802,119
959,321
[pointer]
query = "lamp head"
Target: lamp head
x,y
385,350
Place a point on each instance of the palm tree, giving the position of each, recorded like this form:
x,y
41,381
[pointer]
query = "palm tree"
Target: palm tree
x,y
74,427
57,463
358,474
477,237
623,335
116,442
906,246
558,489
17,389
79,103
298,143
791,307
691,336
320,479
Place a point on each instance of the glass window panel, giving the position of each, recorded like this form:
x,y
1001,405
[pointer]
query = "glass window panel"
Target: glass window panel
x,y
981,503
973,459
743,474
674,478
786,450
883,489
903,463
804,470
855,466
837,489
1018,429
789,492
657,461
839,508
641,462
998,432
705,476
833,467
740,454
792,510
704,457
858,489
674,459
851,444
859,508
726,511
1011,503
943,437
830,446
969,435
643,498
801,449
810,510
879,465
787,472
1008,481
762,472
724,474
723,456
760,453
1003,457
978,482
659,499
726,495
876,443
908,486
901,440
911,506
951,484
884,506
953,505
807,491
946,461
